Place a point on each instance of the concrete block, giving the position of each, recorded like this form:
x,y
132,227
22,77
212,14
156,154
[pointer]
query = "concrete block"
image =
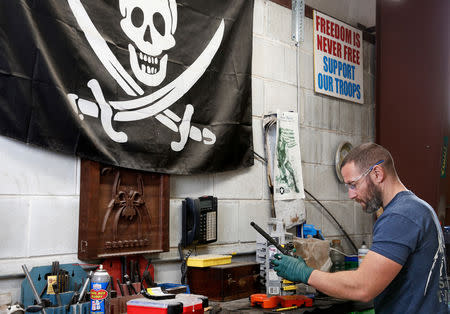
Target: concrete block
x,y
78,176
308,44
290,64
326,183
175,222
301,107
279,96
239,184
329,142
278,22
29,170
366,57
268,59
191,186
369,58
309,170
343,212
14,226
310,147
257,211
357,119
228,221
330,113
365,121
312,108
306,70
314,214
369,88
53,225
265,184
346,116
257,96
259,16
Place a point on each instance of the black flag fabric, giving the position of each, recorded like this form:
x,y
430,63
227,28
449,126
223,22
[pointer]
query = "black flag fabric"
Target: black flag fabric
x,y
155,85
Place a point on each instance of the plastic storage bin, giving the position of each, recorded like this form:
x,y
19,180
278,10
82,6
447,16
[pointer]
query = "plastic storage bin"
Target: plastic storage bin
x,y
208,260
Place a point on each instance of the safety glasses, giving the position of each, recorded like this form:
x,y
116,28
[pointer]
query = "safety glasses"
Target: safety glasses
x,y
352,184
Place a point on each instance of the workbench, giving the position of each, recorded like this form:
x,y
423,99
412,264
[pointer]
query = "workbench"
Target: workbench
x,y
323,304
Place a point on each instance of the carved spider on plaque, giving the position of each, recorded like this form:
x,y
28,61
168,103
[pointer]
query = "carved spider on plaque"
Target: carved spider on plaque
x,y
125,203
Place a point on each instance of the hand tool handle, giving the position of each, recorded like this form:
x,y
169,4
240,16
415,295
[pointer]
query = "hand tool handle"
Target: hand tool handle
x,y
120,287
56,290
137,275
269,238
131,289
83,290
33,288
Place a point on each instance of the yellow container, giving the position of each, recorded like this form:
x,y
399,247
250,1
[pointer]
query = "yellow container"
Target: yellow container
x,y
208,260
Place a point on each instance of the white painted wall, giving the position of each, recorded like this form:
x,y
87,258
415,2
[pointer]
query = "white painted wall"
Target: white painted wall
x,y
39,190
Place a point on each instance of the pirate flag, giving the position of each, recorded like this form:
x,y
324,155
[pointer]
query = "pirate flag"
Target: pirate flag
x,y
156,85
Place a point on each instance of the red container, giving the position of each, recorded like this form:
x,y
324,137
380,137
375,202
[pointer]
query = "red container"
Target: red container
x,y
183,303
192,303
145,306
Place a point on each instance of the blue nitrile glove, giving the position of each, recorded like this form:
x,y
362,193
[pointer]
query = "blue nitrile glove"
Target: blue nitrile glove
x,y
292,268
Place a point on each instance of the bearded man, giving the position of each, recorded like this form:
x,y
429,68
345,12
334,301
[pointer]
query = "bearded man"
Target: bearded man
x,y
405,269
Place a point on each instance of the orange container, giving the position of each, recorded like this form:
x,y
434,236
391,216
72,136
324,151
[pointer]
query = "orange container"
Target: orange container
x,y
264,301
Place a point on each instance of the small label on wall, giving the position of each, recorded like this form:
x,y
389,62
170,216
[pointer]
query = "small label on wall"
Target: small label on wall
x,y
338,59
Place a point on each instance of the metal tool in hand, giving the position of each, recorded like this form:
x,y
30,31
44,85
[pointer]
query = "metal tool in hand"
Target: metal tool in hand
x,y
270,239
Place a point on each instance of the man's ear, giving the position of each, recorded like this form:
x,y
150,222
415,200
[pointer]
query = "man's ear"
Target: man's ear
x,y
379,174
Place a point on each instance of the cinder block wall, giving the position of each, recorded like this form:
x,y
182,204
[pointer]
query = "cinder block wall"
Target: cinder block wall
x,y
39,190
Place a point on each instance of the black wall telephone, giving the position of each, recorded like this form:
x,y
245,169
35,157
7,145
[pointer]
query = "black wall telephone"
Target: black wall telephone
x,y
199,220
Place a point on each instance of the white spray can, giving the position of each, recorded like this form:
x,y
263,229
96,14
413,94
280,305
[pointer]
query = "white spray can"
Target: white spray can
x,y
363,250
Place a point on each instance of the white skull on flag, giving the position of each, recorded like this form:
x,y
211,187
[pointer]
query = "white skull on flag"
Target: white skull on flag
x,y
150,26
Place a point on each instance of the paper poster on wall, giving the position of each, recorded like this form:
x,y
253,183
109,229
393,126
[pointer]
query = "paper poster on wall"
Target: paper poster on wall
x,y
338,59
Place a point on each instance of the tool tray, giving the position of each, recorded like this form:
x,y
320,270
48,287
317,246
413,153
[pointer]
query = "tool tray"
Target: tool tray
x,y
76,278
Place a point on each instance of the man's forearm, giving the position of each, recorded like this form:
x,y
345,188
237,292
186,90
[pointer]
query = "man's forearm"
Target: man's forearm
x,y
343,284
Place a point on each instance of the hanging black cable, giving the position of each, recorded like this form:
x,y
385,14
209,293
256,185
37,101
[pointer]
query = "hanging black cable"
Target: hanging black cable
x,y
339,225
183,263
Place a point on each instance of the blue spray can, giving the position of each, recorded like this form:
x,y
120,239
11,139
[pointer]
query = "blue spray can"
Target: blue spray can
x,y
100,291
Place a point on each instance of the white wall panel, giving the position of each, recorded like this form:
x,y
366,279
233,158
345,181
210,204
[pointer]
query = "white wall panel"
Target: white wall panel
x,y
53,225
14,213
31,170
239,184
279,96
182,186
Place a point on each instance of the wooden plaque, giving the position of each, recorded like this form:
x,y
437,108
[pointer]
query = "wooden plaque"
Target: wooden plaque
x,y
122,212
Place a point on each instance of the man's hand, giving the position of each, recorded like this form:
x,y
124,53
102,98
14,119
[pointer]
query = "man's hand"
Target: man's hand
x,y
292,268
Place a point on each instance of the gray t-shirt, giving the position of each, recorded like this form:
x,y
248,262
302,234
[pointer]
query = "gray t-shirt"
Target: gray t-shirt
x,y
408,232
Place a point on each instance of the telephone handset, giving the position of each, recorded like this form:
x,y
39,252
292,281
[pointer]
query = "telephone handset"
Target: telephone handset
x,y
199,220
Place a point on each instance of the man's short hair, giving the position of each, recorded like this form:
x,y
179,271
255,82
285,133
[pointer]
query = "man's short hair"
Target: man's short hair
x,y
366,155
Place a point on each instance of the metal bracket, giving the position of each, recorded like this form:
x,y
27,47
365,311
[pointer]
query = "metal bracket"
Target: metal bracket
x,y
298,21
